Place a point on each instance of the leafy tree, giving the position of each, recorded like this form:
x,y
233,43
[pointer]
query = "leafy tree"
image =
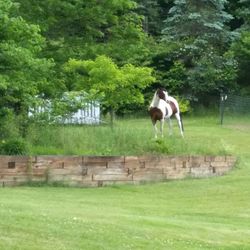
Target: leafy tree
x,y
150,10
83,29
114,86
154,12
243,11
213,73
174,79
192,58
23,73
241,50
233,8
241,47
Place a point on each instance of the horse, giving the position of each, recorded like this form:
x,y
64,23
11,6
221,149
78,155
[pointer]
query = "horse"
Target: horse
x,y
164,107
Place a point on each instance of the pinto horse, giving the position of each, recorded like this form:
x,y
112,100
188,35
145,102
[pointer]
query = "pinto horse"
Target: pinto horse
x,y
163,107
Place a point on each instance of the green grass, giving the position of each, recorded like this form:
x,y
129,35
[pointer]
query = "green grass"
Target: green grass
x,y
131,137
211,213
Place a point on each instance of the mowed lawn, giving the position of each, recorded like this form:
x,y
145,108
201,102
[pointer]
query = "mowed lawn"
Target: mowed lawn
x,y
211,213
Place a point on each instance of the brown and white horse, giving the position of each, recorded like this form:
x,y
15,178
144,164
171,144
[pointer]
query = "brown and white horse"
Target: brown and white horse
x,y
163,107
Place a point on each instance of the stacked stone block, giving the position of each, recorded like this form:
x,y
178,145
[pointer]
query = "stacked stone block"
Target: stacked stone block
x,y
106,170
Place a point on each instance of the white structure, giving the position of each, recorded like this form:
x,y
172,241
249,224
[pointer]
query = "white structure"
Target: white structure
x,y
88,114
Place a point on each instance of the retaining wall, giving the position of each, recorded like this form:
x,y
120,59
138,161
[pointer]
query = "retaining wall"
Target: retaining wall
x,y
105,170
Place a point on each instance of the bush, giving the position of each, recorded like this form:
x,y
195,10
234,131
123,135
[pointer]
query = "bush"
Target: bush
x,y
8,124
184,105
14,146
160,146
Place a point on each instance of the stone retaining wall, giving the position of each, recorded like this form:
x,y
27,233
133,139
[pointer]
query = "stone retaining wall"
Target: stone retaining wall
x,y
105,170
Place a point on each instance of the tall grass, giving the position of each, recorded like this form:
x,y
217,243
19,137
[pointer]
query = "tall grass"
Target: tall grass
x,y
129,137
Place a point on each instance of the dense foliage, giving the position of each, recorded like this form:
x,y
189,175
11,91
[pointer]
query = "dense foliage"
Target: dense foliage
x,y
105,81
193,48
198,27
24,71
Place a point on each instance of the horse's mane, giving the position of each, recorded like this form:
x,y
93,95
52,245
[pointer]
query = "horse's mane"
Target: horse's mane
x,y
155,100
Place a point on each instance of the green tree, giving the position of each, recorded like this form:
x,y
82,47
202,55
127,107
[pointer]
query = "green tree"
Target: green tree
x,y
241,50
200,24
241,47
243,11
154,12
114,86
83,29
23,73
198,30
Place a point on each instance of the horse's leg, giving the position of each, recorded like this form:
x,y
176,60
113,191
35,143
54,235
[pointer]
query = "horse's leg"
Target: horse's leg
x,y
155,128
178,117
170,129
162,125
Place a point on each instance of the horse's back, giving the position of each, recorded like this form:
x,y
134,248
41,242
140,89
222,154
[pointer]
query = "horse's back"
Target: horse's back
x,y
174,104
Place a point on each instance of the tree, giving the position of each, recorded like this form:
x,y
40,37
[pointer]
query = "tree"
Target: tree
x,y
241,47
200,24
241,50
83,29
243,11
150,10
114,86
23,73
198,28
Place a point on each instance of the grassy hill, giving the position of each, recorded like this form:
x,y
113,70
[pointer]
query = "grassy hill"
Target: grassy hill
x,y
190,214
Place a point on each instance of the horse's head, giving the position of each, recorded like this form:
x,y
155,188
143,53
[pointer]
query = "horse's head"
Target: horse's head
x,y
162,93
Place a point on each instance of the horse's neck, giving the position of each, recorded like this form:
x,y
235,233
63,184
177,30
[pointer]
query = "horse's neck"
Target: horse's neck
x,y
159,103
155,103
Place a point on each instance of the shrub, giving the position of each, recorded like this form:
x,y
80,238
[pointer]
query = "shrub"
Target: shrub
x,y
14,146
8,124
160,146
184,105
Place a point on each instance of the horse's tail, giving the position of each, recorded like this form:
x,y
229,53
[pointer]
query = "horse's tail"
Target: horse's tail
x,y
182,127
